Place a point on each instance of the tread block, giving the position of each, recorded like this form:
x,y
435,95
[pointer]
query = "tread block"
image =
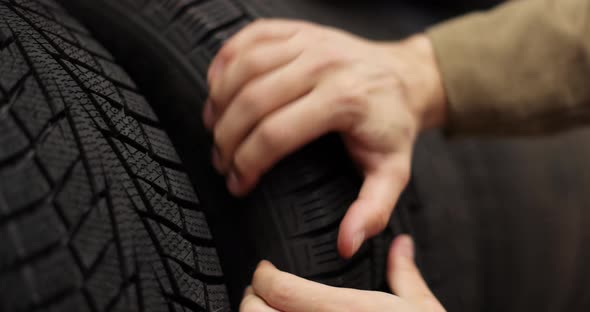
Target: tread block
x,y
218,298
23,173
161,144
32,107
156,15
12,138
105,282
180,186
58,152
173,244
202,56
74,52
208,261
38,230
14,68
50,282
161,275
190,288
215,42
207,17
35,6
92,46
43,22
196,224
142,165
75,197
116,73
138,105
95,234
95,82
319,254
113,118
162,206
309,211
92,161
105,115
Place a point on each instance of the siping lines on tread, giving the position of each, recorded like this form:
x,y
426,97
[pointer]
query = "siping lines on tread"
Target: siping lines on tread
x,y
309,207
103,166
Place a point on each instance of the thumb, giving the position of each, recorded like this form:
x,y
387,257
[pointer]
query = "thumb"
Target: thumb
x,y
370,213
404,277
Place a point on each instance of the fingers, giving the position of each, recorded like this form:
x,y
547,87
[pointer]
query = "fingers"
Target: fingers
x,y
260,98
287,292
279,134
253,303
256,32
370,213
245,67
404,277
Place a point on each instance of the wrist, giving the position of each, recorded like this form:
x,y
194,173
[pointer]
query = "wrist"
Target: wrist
x,y
422,79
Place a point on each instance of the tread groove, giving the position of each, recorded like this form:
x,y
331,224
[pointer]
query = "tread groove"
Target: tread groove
x,y
73,148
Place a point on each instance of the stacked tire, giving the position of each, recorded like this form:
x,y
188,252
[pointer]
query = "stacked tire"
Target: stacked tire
x,y
106,192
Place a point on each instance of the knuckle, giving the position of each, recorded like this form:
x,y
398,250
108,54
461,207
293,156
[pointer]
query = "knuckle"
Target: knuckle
x,y
251,101
215,97
219,139
351,102
240,165
227,51
258,278
252,62
322,61
352,90
269,135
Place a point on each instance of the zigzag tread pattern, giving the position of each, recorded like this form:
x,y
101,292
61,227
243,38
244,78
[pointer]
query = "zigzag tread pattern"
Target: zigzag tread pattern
x,y
309,194
96,212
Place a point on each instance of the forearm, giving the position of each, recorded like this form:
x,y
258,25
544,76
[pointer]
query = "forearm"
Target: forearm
x,y
520,69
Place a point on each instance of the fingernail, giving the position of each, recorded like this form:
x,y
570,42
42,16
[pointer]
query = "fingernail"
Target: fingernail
x,y
208,115
357,242
233,183
216,159
406,247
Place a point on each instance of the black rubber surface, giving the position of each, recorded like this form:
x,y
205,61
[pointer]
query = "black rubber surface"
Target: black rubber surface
x,y
96,210
293,217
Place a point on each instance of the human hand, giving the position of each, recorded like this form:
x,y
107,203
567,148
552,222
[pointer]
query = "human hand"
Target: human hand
x,y
277,85
273,290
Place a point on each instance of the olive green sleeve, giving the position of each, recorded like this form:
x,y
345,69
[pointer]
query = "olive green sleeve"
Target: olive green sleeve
x,y
522,68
